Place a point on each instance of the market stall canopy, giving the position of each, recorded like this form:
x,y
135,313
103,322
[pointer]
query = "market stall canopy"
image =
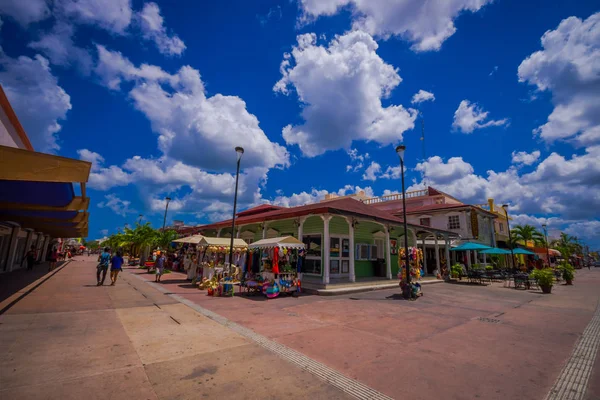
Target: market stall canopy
x,y
470,246
495,250
222,242
523,251
283,241
190,239
555,252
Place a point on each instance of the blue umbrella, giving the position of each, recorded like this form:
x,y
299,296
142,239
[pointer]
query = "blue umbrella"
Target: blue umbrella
x,y
495,250
523,251
470,246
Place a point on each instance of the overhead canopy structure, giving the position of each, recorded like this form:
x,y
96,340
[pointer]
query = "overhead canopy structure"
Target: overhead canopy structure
x,y
495,250
190,239
37,192
523,251
283,241
470,246
222,242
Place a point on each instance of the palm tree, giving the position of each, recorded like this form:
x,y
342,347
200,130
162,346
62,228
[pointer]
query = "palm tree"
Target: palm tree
x,y
527,233
164,239
567,245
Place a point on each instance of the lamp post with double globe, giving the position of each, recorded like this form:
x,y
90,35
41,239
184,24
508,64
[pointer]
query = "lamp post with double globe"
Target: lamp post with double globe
x,y
239,151
400,151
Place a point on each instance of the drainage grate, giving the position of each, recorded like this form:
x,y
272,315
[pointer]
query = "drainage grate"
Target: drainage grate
x,y
490,320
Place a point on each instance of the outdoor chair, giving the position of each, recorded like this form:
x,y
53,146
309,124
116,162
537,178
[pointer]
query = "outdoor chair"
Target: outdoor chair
x,y
521,281
533,283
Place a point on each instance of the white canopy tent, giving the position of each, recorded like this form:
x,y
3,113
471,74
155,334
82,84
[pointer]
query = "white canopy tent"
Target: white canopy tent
x,y
222,242
190,239
289,242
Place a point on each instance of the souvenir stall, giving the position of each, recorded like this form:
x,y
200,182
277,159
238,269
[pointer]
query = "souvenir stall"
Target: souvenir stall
x,y
189,255
415,259
274,266
213,257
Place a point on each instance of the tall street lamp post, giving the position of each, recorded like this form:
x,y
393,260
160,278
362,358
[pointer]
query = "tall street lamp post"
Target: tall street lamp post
x,y
510,242
400,151
168,199
546,239
140,219
239,151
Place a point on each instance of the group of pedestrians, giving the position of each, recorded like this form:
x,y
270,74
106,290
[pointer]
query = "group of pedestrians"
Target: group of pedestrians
x,y
116,266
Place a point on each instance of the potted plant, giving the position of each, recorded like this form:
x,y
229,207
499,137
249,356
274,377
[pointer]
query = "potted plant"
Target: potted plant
x,y
568,272
544,278
456,270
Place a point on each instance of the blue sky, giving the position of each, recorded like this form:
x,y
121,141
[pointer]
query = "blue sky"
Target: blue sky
x,y
157,94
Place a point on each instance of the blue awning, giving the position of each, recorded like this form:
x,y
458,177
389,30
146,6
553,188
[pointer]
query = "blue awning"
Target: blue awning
x,y
53,194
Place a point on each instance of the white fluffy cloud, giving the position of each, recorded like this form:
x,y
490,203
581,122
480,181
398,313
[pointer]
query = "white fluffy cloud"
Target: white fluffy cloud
x,y
59,47
357,160
426,24
341,87
569,67
112,15
117,205
38,100
314,196
372,171
469,116
558,186
198,130
524,158
421,96
153,29
25,12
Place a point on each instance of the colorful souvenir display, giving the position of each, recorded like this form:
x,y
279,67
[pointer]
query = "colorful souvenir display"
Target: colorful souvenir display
x,y
415,259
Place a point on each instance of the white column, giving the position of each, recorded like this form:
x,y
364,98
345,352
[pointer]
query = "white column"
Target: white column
x,y
45,244
326,244
28,240
351,271
438,270
239,232
424,255
219,232
12,248
469,259
264,232
447,251
493,227
301,221
388,260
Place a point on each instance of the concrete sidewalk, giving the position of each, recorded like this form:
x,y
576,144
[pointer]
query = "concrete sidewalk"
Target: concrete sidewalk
x,y
69,339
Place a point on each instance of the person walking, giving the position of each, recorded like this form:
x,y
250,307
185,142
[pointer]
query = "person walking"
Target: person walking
x,y
31,257
159,266
53,259
115,267
102,268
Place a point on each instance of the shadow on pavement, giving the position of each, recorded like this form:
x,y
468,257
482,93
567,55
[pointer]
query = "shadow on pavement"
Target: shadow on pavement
x,y
13,282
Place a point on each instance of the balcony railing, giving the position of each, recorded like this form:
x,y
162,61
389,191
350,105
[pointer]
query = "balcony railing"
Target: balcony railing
x,y
396,196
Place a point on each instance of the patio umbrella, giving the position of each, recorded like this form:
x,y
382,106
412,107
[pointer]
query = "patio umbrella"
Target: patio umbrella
x,y
470,246
495,250
523,251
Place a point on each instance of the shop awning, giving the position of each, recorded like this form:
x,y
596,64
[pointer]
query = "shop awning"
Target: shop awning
x,y
289,242
523,251
190,239
470,246
222,242
495,250
37,192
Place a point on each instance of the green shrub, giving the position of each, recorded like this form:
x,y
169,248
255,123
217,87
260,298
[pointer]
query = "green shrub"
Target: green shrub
x,y
544,277
568,272
476,266
489,267
456,270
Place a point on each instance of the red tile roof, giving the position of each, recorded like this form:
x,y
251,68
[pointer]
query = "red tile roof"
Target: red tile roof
x,y
344,206
259,209
436,207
